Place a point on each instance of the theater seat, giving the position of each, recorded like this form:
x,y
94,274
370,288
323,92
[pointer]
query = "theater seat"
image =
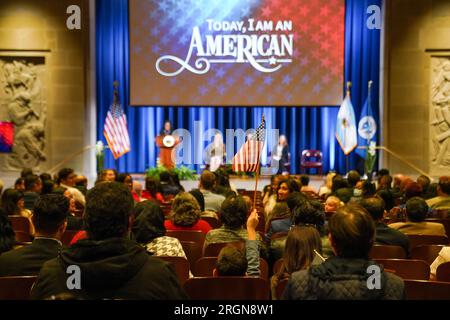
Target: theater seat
x,y
181,266
204,267
406,268
427,253
23,237
213,249
387,252
187,235
443,272
16,288
20,223
279,290
193,251
227,288
417,240
427,290
213,222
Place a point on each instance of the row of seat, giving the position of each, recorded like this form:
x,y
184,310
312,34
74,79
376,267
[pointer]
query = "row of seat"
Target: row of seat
x,y
233,288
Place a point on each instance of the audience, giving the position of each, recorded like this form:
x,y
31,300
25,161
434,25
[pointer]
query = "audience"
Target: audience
x,y
148,230
233,215
442,201
153,190
383,233
13,204
111,266
50,221
346,275
33,188
304,180
170,185
198,195
416,210
186,214
303,248
213,201
109,175
66,179
7,235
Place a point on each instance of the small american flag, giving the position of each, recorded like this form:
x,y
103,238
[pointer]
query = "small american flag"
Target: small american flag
x,y
247,159
115,129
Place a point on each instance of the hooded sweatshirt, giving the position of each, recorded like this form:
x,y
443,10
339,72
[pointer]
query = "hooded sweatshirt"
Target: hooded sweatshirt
x,y
343,279
115,268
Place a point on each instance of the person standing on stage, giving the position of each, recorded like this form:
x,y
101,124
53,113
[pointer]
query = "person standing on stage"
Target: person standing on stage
x,y
167,128
281,155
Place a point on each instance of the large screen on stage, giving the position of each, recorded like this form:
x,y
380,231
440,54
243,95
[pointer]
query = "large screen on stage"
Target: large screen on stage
x,y
236,52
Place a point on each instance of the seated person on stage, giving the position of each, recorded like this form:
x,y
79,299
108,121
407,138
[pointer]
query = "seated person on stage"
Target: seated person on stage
x,y
442,201
416,210
233,262
304,180
110,265
50,221
213,201
383,234
233,215
185,214
152,190
198,195
345,276
303,248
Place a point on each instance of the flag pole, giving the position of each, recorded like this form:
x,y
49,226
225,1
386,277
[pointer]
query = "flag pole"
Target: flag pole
x,y
369,107
349,84
115,100
257,175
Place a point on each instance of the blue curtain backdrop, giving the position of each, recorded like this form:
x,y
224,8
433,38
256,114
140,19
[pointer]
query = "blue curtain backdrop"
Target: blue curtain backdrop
x,y
306,128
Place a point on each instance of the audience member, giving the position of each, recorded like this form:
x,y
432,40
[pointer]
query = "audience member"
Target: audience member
x,y
416,210
19,185
304,180
302,249
66,179
14,205
7,235
327,188
332,204
424,182
50,221
170,185
186,214
198,195
153,189
111,266
442,201
33,188
345,276
207,183
384,234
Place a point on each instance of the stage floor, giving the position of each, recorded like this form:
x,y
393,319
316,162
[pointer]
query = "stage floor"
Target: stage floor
x,y
242,183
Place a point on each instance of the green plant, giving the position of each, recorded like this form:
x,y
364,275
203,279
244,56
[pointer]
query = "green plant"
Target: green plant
x,y
183,172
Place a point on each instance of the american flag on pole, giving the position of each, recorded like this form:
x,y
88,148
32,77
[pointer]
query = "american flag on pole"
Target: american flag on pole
x,y
247,159
115,129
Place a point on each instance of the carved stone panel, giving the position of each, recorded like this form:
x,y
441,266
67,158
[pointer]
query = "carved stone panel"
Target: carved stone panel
x,y
22,101
440,115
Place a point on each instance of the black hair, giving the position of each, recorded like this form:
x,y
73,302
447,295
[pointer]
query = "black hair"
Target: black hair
x,y
416,209
295,199
108,207
30,181
233,212
387,197
26,172
353,177
304,179
64,173
50,211
45,176
7,235
121,177
309,214
149,222
10,198
198,195
47,186
374,206
338,183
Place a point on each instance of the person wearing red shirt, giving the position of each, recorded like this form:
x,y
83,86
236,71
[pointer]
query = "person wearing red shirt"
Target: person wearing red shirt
x,y
186,214
152,190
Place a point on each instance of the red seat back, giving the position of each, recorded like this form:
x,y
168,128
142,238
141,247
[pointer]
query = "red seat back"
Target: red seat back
x,y
16,288
187,235
213,249
443,272
193,251
407,269
387,252
427,253
181,266
20,223
427,290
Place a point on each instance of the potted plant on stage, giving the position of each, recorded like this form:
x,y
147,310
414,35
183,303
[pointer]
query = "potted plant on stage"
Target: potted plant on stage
x,y
370,160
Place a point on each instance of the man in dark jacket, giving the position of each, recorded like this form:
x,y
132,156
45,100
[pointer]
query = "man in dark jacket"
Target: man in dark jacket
x,y
50,220
108,265
383,234
350,274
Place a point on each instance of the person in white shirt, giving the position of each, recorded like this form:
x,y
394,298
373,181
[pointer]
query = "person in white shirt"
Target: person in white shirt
x,y
66,179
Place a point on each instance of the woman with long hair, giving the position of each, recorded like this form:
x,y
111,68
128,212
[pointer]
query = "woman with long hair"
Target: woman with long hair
x,y
14,205
7,235
303,247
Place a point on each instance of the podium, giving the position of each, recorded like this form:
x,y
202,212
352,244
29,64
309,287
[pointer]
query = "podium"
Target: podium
x,y
165,151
